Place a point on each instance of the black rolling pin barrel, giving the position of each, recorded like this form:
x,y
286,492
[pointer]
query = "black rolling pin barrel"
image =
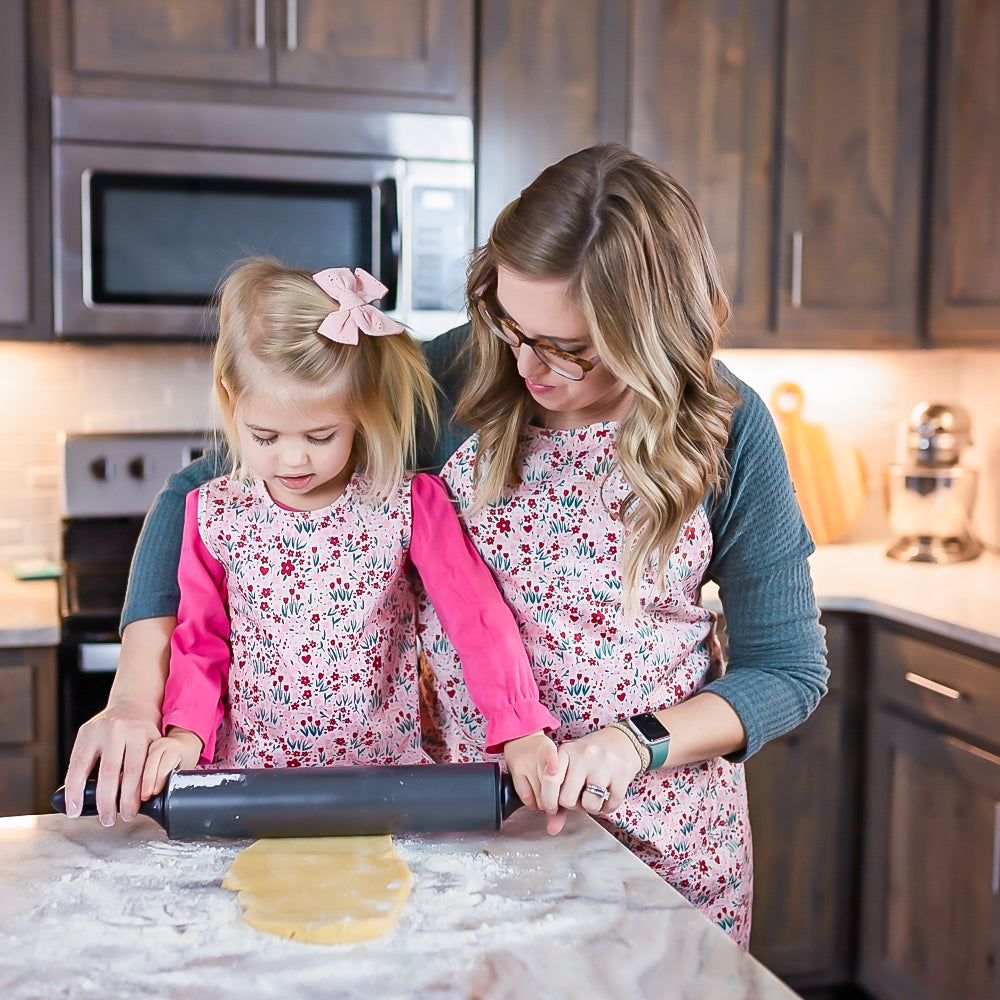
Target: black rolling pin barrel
x,y
326,801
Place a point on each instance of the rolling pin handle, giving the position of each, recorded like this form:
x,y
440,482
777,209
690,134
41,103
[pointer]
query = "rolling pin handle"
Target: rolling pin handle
x,y
509,800
153,808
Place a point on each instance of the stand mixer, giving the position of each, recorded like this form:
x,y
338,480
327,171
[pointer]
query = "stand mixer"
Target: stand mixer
x,y
929,496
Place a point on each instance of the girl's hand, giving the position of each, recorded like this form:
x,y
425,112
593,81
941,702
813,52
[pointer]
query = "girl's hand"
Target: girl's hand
x,y
604,759
179,750
119,736
533,763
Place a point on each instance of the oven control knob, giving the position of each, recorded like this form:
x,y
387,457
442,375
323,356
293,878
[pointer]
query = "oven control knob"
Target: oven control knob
x,y
102,468
138,467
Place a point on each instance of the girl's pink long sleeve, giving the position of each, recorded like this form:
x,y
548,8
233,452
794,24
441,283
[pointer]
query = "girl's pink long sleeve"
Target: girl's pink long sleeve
x,y
199,648
478,621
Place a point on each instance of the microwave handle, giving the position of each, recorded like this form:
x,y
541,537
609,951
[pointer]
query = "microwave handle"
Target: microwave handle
x,y
390,241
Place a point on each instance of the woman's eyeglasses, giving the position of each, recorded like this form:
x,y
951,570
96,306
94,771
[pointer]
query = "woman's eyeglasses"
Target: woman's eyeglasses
x,y
563,363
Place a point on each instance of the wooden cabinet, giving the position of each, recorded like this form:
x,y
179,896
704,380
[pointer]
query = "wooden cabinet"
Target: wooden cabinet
x,y
27,729
965,222
797,125
396,54
800,134
551,78
704,105
930,925
15,292
804,812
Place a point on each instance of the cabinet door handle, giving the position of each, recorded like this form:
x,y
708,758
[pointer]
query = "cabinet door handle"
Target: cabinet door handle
x,y
260,24
292,25
995,882
929,685
797,269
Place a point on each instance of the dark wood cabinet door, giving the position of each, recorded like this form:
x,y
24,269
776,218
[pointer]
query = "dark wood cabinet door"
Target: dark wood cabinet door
x,y
14,274
212,40
704,106
390,47
965,228
931,906
28,750
552,78
804,792
850,173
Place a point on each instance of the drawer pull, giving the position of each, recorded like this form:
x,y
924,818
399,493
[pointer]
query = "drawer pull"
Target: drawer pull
x,y
995,882
929,685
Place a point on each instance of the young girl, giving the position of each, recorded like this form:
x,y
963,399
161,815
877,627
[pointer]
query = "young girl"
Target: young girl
x,y
615,467
295,635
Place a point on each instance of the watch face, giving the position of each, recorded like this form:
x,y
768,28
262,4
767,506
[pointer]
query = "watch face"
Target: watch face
x,y
650,727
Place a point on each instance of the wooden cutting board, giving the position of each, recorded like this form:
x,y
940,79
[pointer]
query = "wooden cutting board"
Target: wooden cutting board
x,y
826,468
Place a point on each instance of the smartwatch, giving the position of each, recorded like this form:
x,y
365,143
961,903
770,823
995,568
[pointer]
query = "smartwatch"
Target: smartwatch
x,y
653,734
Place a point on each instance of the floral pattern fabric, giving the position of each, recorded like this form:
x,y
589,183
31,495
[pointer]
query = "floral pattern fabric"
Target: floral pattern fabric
x,y
555,547
323,667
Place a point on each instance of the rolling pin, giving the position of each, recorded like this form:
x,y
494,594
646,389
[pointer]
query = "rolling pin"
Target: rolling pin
x,y
338,801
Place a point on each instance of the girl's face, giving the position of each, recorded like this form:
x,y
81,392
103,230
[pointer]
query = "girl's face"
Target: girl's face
x,y
544,311
303,452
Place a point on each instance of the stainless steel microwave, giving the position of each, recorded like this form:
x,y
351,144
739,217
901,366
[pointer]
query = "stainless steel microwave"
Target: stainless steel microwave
x,y
153,200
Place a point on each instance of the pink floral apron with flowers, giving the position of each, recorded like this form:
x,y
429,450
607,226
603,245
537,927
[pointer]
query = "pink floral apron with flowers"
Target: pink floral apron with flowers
x,y
323,667
555,548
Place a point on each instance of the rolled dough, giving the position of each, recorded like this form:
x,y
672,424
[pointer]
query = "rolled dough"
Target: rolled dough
x,y
327,890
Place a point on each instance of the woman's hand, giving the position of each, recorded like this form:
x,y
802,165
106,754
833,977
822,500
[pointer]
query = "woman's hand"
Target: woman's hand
x,y
119,736
533,764
179,750
604,759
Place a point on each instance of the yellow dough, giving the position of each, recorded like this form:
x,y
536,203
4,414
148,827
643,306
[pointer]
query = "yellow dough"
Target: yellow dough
x,y
327,890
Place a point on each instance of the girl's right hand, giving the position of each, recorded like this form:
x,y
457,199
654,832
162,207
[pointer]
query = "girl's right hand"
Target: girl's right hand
x,y
119,736
180,749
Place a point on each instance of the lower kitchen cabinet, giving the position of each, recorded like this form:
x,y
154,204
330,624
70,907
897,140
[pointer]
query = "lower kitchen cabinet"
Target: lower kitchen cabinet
x,y
930,919
27,729
804,791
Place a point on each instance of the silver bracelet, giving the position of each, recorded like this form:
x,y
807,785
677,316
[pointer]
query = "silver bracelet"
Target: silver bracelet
x,y
645,754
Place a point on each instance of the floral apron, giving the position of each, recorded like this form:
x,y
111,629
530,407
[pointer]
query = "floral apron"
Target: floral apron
x,y
323,667
555,548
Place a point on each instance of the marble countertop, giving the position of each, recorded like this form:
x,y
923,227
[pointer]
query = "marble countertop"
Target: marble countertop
x,y
113,914
959,601
29,611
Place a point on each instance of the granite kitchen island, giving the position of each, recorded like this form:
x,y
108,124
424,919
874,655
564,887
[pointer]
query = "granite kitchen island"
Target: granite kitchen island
x,y
114,914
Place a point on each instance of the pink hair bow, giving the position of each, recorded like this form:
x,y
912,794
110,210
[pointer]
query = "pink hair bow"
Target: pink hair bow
x,y
355,292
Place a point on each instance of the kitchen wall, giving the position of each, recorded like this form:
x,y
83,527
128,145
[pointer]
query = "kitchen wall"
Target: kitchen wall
x,y
48,388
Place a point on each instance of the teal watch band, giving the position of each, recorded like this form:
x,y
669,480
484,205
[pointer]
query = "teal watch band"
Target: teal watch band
x,y
654,735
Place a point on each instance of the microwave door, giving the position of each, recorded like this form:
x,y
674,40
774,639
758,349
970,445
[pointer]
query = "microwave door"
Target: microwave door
x,y
144,235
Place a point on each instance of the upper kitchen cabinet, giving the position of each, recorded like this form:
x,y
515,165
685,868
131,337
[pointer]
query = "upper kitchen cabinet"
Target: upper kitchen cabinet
x,y
382,54
551,76
704,104
965,225
15,292
798,127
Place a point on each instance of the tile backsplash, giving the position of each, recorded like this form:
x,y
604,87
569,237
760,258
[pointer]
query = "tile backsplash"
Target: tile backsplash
x,y
48,388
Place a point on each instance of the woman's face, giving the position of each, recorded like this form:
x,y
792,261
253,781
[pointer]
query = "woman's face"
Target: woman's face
x,y
544,311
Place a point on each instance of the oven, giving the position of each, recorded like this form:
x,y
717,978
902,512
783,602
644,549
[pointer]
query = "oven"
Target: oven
x,y
109,483
154,200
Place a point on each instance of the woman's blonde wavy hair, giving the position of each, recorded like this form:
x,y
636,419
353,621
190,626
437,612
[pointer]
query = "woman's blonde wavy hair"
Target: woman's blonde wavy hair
x,y
631,246
269,315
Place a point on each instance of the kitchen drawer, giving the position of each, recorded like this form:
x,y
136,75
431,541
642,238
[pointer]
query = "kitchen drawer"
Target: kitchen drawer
x,y
954,689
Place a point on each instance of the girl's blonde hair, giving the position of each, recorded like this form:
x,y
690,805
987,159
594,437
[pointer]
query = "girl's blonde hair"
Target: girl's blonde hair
x,y
630,244
269,315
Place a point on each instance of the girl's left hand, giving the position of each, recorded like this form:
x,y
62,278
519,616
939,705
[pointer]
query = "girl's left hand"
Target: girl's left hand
x,y
604,759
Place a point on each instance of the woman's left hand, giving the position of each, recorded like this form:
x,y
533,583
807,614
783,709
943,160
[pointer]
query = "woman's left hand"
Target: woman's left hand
x,y
602,761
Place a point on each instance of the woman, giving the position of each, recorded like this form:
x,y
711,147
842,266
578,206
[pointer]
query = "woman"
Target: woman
x,y
615,467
